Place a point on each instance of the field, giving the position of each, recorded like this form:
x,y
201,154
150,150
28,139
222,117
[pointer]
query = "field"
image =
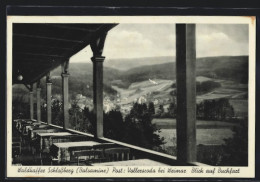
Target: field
x,y
208,132
168,123
240,107
204,136
144,88
160,90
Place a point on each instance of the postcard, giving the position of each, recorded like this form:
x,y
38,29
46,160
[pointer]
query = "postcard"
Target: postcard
x,y
131,96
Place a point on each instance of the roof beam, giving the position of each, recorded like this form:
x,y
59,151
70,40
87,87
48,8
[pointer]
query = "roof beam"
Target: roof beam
x,y
40,46
34,54
71,27
32,60
49,38
29,87
45,71
86,41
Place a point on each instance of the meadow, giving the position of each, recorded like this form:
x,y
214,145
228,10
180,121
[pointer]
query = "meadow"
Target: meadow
x,y
169,123
207,133
213,136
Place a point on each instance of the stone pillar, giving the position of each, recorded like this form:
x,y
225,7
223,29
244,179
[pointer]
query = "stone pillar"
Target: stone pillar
x,y
38,97
98,93
186,92
31,103
48,98
65,94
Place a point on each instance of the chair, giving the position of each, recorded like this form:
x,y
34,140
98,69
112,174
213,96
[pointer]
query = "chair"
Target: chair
x,y
56,139
104,146
117,154
95,155
47,142
89,156
16,149
17,145
33,139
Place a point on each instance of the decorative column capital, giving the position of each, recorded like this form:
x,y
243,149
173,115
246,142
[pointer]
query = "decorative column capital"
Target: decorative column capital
x,y
95,59
97,45
65,75
65,67
38,84
48,78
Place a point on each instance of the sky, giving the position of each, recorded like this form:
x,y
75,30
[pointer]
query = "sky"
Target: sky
x,y
153,40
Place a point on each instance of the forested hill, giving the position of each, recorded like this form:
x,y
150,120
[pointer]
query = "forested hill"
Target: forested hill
x,y
80,81
227,67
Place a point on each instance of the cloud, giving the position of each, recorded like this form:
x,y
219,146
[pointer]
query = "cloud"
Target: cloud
x,y
152,40
236,32
140,40
127,44
82,56
218,44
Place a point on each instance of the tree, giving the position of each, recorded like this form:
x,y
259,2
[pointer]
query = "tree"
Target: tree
x,y
137,129
160,111
151,108
114,126
172,110
76,116
140,130
44,112
236,147
21,108
57,112
219,109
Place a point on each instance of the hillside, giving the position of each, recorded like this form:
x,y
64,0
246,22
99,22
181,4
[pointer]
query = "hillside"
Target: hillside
x,y
234,68
230,68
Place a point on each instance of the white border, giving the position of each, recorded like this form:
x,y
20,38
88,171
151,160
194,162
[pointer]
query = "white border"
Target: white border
x,y
245,172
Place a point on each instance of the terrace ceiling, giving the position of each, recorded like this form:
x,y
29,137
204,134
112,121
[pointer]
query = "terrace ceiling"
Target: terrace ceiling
x,y
40,47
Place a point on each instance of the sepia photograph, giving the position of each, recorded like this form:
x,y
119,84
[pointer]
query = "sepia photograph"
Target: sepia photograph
x,y
132,96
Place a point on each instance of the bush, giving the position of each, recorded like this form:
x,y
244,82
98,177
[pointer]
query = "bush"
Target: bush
x,y
219,109
206,86
57,112
236,148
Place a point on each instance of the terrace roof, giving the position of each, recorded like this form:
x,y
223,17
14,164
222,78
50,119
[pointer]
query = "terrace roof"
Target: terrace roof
x,y
40,47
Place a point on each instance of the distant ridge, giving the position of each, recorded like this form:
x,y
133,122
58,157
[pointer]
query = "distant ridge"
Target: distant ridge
x,y
125,64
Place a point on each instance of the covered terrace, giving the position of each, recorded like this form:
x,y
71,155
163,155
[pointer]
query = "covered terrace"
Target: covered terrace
x,y
38,48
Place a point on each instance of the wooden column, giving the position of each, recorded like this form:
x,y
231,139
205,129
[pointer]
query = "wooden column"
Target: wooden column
x,y
97,46
98,93
38,97
48,97
186,92
31,102
65,94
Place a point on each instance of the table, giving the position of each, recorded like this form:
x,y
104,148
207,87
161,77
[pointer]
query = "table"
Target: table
x,y
33,131
63,151
136,162
26,127
21,122
32,136
44,139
